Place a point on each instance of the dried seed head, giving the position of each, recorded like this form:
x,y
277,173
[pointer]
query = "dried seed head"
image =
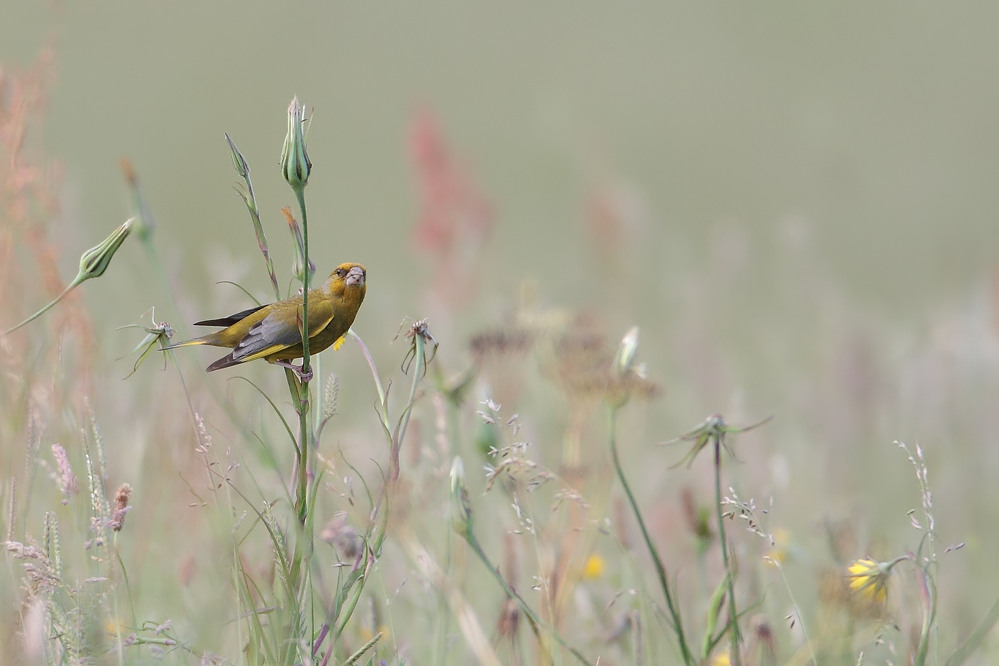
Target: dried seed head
x,y
120,507
508,622
67,481
343,537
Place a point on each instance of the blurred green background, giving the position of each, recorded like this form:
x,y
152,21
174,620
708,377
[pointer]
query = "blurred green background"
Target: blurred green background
x,y
871,123
808,194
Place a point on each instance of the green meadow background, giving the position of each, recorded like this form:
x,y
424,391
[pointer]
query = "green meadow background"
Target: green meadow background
x,y
794,202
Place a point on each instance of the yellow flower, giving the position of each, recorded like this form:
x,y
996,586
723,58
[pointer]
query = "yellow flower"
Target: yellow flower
x,y
593,568
869,578
778,554
721,659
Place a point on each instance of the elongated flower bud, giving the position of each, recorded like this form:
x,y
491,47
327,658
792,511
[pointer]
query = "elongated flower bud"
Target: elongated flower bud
x,y
96,260
93,263
624,362
238,161
623,371
297,267
295,164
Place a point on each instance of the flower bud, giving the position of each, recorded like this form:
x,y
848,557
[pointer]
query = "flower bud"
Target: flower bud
x,y
298,265
295,164
623,372
96,260
238,161
93,263
625,359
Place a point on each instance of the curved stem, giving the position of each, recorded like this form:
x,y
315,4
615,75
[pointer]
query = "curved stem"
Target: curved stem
x,y
511,593
674,612
48,307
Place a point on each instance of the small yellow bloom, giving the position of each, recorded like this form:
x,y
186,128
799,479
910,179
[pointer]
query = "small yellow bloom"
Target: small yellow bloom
x,y
778,554
594,567
721,659
869,578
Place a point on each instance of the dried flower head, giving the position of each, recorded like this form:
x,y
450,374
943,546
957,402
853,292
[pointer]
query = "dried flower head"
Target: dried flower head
x,y
65,477
508,622
501,342
157,336
420,337
120,507
345,540
713,430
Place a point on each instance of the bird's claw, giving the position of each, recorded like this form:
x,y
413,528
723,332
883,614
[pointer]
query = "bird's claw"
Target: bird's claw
x,y
297,369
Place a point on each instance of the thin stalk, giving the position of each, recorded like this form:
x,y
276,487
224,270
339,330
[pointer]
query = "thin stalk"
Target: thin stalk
x,y
382,396
306,280
72,285
250,199
400,432
688,657
305,424
510,592
733,614
928,592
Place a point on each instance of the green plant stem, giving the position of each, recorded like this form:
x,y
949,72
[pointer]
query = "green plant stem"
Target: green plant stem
x,y
510,592
928,592
72,285
797,617
305,445
306,279
400,432
733,615
250,199
688,657
382,395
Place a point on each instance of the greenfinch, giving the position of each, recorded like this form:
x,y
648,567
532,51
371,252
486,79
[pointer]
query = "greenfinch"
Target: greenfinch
x,y
274,332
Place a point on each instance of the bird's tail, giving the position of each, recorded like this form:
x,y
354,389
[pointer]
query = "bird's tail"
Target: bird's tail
x,y
188,343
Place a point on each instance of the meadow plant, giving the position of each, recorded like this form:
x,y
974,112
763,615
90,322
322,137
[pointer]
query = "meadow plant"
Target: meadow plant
x,y
503,497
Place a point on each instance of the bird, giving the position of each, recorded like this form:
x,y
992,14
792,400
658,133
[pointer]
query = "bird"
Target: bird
x,y
274,332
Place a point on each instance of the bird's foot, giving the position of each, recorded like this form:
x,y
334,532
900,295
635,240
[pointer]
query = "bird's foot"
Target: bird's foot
x,y
297,369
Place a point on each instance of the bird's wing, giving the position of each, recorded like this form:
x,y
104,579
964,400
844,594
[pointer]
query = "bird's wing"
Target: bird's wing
x,y
274,333
231,319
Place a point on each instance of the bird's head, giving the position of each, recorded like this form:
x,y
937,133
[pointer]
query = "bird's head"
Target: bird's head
x,y
348,280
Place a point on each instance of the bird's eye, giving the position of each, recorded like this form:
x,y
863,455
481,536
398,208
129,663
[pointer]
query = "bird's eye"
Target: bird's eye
x,y
339,272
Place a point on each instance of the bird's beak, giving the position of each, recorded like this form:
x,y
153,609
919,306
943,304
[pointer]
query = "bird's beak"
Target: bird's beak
x,y
355,276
